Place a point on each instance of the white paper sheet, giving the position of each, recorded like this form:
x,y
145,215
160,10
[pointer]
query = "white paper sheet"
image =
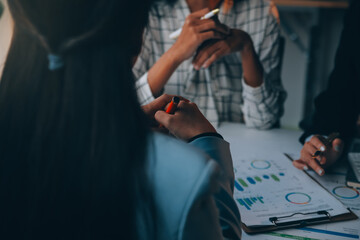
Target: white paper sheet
x,y
272,187
334,182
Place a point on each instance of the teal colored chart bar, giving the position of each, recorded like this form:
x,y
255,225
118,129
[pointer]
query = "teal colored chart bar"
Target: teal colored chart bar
x,y
242,203
238,187
248,202
250,180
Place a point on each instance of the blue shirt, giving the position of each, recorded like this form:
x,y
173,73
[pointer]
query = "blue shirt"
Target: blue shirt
x,y
193,187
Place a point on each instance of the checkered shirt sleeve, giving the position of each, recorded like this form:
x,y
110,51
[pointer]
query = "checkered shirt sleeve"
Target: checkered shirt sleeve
x,y
263,105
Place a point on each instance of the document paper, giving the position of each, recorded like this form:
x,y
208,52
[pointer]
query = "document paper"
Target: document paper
x,y
273,187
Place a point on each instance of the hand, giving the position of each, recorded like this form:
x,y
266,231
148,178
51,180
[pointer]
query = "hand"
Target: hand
x,y
159,103
237,41
194,32
330,154
186,122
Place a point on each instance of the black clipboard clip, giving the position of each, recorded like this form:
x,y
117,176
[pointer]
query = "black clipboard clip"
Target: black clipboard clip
x,y
283,222
277,221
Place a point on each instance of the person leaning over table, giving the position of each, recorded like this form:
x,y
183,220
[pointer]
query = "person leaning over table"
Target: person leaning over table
x,y
227,65
337,108
77,157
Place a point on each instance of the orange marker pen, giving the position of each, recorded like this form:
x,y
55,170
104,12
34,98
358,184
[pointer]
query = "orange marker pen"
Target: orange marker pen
x,y
173,105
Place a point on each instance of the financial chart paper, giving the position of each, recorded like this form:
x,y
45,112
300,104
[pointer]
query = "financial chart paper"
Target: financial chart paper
x,y
272,187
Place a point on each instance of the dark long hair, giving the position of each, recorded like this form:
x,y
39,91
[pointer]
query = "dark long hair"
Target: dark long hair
x,y
73,140
1,9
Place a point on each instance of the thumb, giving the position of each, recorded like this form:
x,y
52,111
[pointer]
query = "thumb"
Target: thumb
x,y
163,118
338,145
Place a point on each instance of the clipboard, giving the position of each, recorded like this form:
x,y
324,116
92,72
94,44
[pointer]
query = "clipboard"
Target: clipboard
x,y
299,219
324,217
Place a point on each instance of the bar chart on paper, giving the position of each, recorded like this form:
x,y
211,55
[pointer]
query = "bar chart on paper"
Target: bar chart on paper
x,y
243,182
266,188
248,202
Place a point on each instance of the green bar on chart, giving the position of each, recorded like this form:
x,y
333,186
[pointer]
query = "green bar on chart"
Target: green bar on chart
x,y
242,182
275,177
258,179
282,235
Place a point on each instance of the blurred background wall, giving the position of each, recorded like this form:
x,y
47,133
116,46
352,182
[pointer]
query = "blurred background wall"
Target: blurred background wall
x,y
312,34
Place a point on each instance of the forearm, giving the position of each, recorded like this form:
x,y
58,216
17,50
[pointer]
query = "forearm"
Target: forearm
x,y
263,93
161,71
252,68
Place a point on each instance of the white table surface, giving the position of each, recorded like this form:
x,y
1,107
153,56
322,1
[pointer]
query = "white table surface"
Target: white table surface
x,y
249,141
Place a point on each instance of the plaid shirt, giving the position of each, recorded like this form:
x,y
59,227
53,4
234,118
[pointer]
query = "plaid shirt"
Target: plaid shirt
x,y
219,91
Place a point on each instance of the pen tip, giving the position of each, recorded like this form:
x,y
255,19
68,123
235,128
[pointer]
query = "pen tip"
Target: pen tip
x,y
216,10
176,99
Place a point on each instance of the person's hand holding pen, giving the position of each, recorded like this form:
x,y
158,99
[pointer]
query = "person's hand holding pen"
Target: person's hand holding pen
x,y
186,122
195,31
160,103
319,153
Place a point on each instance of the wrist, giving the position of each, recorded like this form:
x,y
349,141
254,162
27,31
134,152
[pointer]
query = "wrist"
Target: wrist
x,y
161,71
175,56
207,134
208,129
248,49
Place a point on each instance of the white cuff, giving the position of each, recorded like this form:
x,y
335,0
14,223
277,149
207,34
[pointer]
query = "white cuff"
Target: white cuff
x,y
143,90
254,94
